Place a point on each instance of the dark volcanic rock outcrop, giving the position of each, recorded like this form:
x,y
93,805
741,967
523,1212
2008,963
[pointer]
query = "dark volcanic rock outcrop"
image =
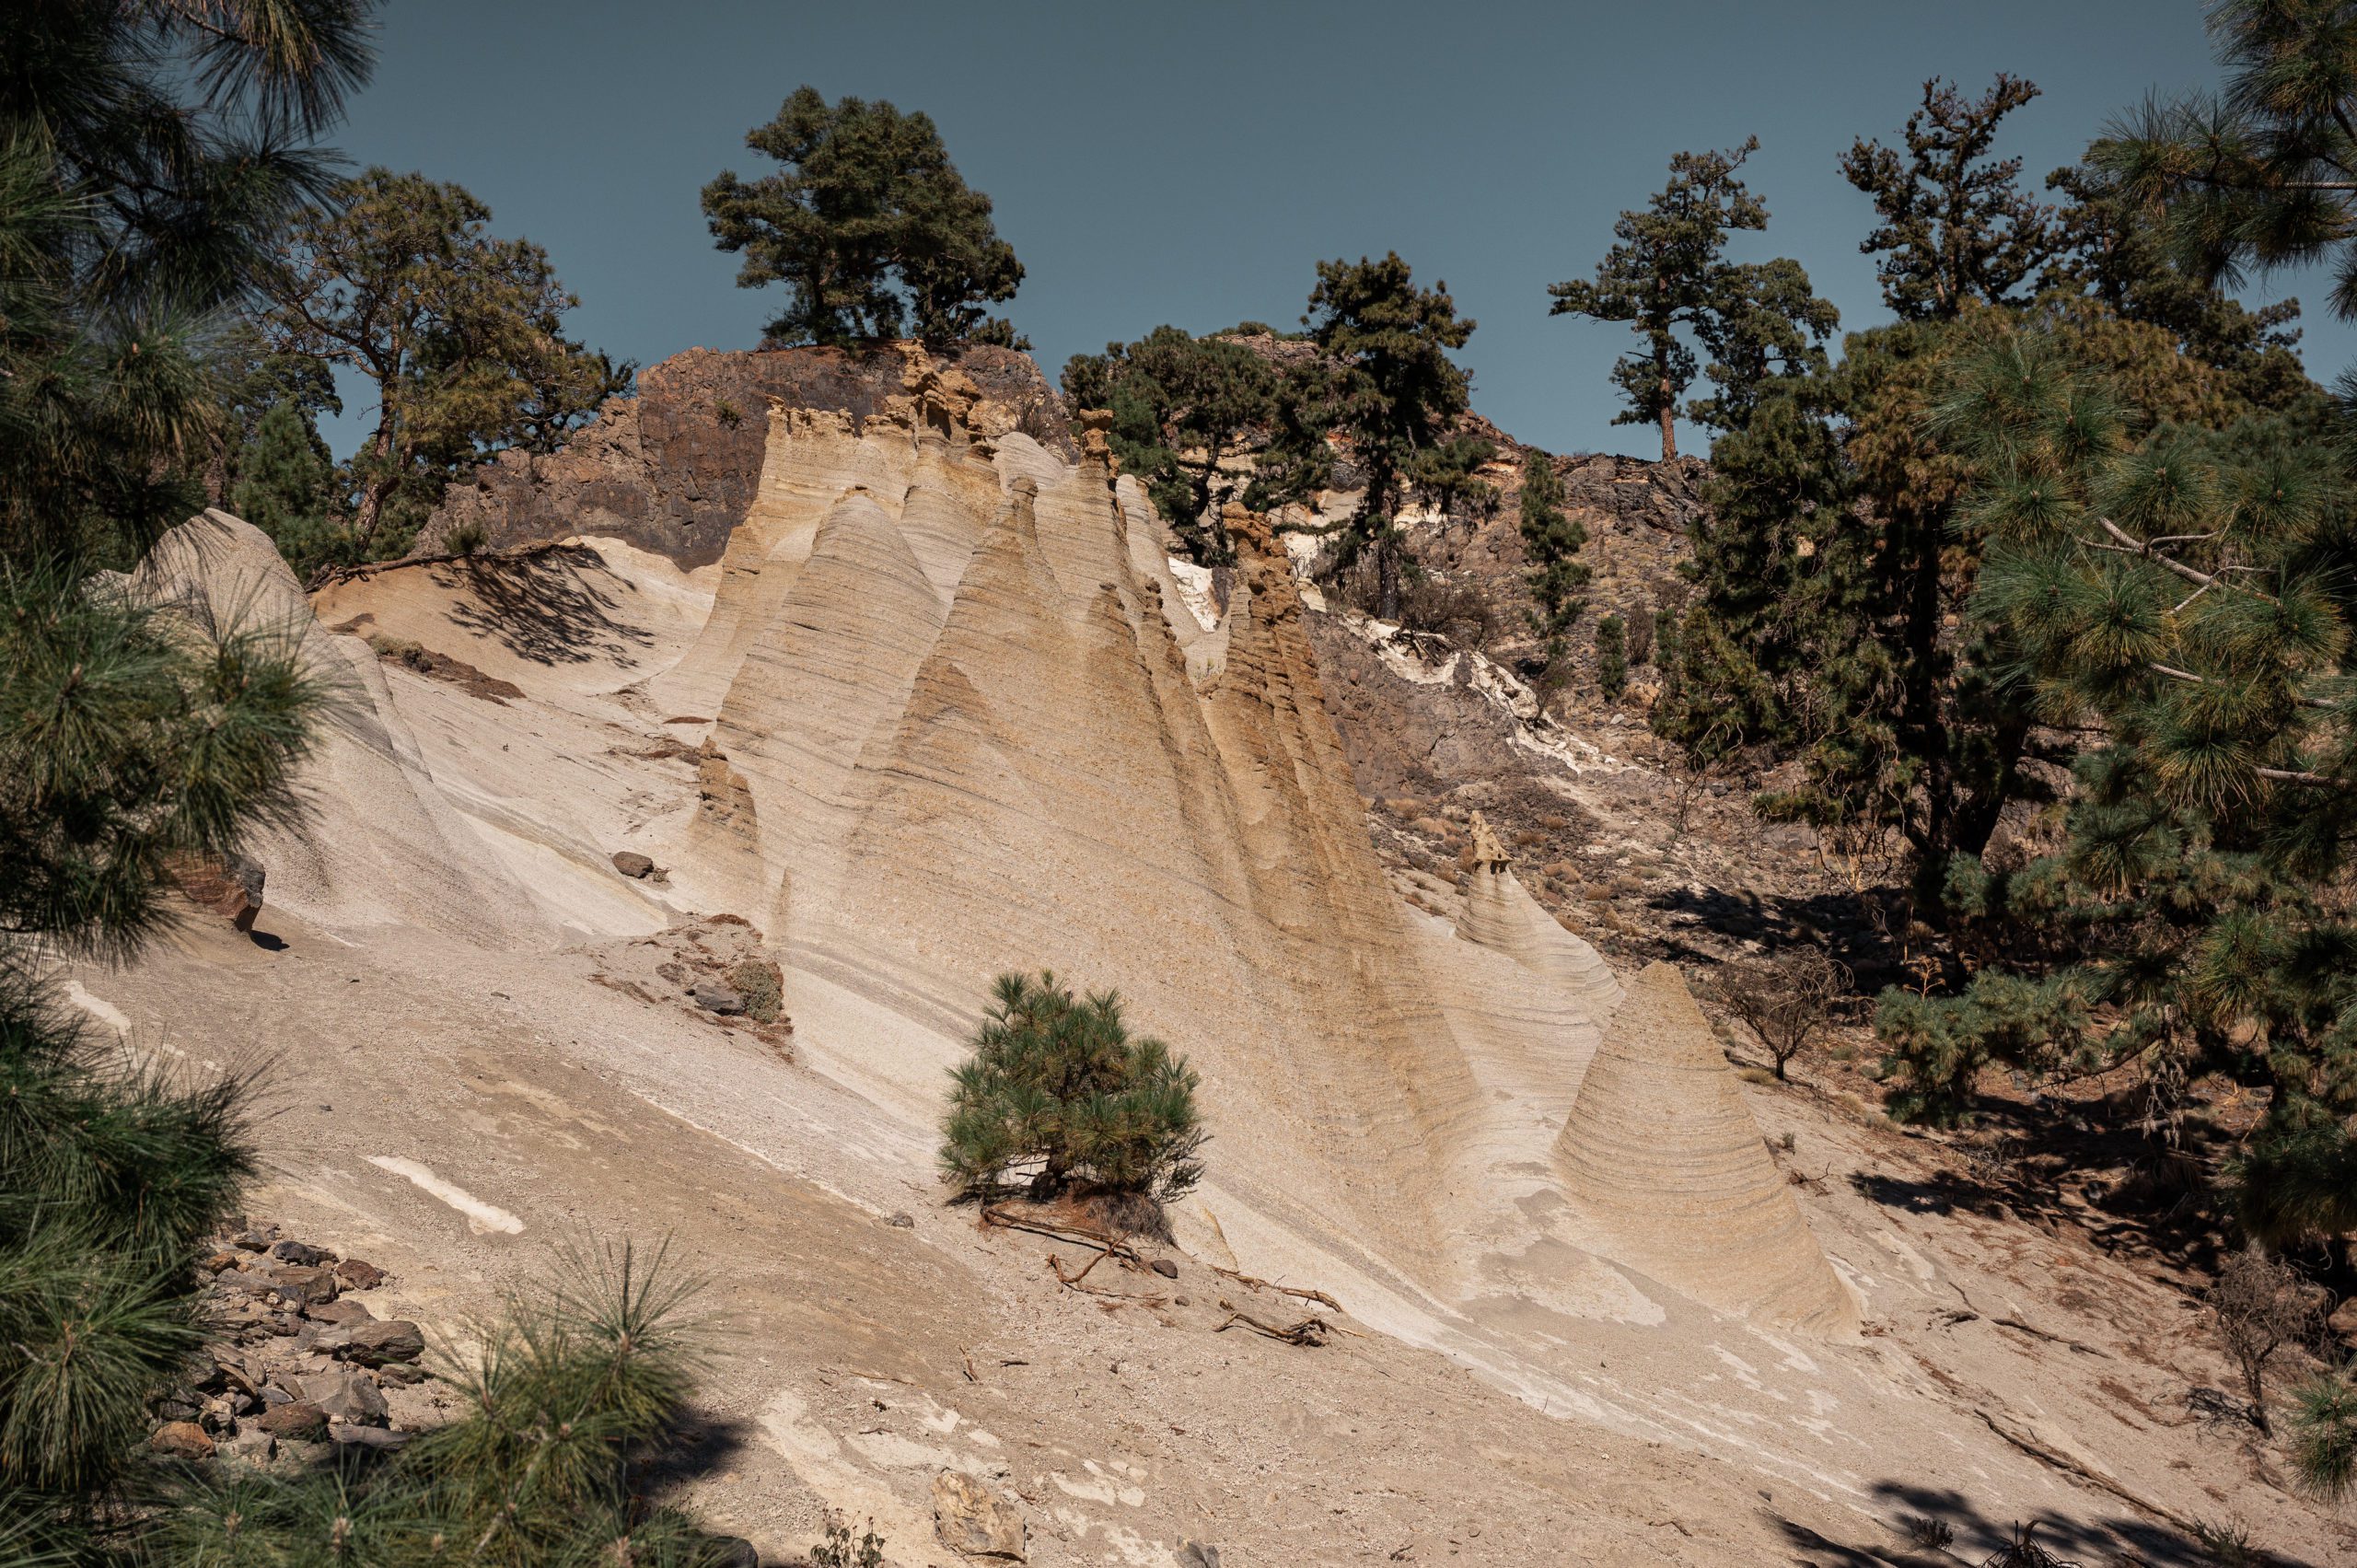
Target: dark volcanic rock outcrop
x,y
672,468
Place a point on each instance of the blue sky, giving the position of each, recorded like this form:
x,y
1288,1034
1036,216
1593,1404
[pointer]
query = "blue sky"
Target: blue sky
x,y
1189,164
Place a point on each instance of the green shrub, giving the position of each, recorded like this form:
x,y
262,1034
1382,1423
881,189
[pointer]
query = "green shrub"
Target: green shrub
x,y
1058,1096
2323,1434
464,538
761,984
1613,658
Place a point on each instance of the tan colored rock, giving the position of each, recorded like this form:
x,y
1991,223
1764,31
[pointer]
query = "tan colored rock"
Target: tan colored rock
x,y
182,1440
974,1519
1488,853
1661,1149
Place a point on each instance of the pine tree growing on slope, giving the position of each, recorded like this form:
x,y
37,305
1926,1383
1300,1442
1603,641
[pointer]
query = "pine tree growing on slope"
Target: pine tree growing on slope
x,y
2189,595
1611,657
1387,385
1668,274
1181,406
1058,1097
1552,539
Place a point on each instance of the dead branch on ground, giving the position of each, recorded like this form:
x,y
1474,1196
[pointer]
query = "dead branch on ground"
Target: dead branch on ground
x,y
1311,1331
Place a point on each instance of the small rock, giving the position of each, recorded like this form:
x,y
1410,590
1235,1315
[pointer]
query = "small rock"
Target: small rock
x,y
346,1397
298,1421
326,1339
305,1283
218,1261
299,1252
715,997
1166,1268
730,1552
1182,1301
256,1239
974,1519
374,1345
232,1372
170,1411
343,1311
303,1453
1196,1554
251,1445
349,1434
630,863
229,885
357,1275
402,1374
182,1440
902,1221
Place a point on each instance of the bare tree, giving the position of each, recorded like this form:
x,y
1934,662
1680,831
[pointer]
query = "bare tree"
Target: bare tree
x,y
2262,1305
1784,1001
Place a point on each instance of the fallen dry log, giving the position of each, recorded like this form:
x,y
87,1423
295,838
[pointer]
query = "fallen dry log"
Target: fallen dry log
x,y
1318,1296
1311,1331
1073,1236
1079,1282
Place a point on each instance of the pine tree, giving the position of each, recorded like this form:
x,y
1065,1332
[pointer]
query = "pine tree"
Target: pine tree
x,y
2261,175
1387,385
2189,595
2116,252
285,488
1955,225
1182,407
1552,540
1613,658
131,219
869,225
1057,1082
394,276
1668,274
566,1397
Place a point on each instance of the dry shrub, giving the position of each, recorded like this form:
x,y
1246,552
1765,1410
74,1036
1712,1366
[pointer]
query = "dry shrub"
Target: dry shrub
x,y
762,985
1784,1001
2024,1551
1456,611
1641,637
2227,1543
1926,1533
2262,1305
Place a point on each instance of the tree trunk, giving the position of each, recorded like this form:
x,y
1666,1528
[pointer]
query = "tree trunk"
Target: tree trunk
x,y
1668,403
1925,726
372,494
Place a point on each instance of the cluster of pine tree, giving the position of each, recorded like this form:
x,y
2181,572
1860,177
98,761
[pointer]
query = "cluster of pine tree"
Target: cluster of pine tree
x,y
2075,541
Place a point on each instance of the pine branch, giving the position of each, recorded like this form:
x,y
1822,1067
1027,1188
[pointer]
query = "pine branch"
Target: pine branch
x,y
2130,545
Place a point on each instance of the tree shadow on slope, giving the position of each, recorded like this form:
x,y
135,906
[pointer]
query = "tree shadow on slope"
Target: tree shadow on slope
x,y
550,607
2110,1540
2133,1195
704,1443
1841,922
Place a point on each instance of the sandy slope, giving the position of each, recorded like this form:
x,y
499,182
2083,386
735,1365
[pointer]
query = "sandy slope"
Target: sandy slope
x,y
940,711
